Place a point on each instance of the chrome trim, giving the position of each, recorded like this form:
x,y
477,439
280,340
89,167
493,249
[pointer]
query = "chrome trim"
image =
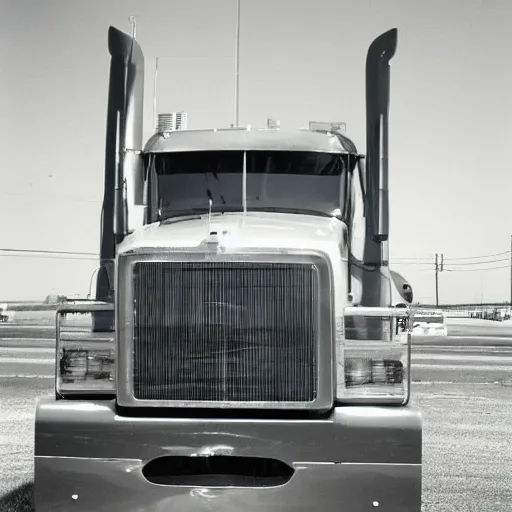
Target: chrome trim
x,y
85,308
76,308
352,456
377,312
361,311
242,139
125,326
118,485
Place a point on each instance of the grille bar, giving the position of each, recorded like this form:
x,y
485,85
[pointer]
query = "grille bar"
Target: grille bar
x,y
225,331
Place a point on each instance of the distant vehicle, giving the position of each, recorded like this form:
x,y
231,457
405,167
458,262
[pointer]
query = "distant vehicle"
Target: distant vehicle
x,y
430,323
495,314
3,316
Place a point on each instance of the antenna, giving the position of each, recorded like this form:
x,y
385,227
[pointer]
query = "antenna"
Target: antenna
x,y
210,202
244,184
237,67
133,22
154,94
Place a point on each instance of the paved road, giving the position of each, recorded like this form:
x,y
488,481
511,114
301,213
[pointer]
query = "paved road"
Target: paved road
x,y
463,384
467,450
463,356
429,363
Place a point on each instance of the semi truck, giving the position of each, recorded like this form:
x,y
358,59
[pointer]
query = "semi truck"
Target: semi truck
x,y
248,347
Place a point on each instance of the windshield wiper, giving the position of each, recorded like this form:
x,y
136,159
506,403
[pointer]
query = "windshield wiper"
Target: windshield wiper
x,y
215,175
208,189
220,210
197,212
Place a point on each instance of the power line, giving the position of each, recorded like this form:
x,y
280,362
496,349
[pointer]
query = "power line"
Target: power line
x,y
479,262
416,260
412,262
479,257
457,264
413,259
476,269
49,257
460,264
76,255
44,197
45,254
43,251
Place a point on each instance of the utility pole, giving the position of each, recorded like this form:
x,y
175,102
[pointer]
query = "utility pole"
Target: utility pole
x,y
437,279
439,268
511,272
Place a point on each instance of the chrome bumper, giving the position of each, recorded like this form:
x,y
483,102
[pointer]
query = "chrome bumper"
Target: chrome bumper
x,y
88,457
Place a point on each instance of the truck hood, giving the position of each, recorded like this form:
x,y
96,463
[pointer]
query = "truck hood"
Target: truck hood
x,y
253,230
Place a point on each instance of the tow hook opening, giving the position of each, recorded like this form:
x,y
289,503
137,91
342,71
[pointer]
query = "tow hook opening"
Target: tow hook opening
x,y
217,471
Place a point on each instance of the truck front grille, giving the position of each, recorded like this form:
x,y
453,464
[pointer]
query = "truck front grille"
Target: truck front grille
x,y
225,331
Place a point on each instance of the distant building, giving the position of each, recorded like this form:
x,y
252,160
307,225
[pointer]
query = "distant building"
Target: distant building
x,y
490,311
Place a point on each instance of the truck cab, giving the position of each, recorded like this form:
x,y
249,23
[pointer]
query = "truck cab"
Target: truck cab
x,y
244,349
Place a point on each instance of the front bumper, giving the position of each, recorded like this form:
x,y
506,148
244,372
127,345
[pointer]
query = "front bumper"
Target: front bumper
x,y
90,458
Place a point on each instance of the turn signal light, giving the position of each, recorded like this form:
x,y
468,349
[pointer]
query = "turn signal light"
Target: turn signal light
x,y
373,347
85,355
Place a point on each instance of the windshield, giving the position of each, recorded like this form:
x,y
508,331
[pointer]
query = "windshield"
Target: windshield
x,y
276,181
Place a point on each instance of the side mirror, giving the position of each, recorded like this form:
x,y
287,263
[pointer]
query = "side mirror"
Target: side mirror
x,y
403,288
407,292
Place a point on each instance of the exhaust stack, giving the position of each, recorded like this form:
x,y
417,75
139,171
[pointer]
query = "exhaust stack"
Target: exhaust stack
x,y
376,279
123,192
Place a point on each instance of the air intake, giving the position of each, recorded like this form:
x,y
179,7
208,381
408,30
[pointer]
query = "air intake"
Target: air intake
x,y
225,332
172,122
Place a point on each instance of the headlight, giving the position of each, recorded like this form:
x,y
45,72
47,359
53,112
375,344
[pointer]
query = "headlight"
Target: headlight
x,y
373,356
85,357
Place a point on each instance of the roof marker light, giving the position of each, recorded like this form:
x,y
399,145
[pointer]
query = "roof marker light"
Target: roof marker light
x,y
333,127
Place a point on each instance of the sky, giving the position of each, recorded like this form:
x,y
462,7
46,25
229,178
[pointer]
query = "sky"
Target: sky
x,y
300,60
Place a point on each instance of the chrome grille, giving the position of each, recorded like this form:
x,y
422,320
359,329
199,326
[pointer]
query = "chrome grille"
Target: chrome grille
x,y
225,331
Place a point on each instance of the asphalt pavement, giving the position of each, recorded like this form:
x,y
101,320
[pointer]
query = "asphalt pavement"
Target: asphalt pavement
x,y
462,383
471,353
467,455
